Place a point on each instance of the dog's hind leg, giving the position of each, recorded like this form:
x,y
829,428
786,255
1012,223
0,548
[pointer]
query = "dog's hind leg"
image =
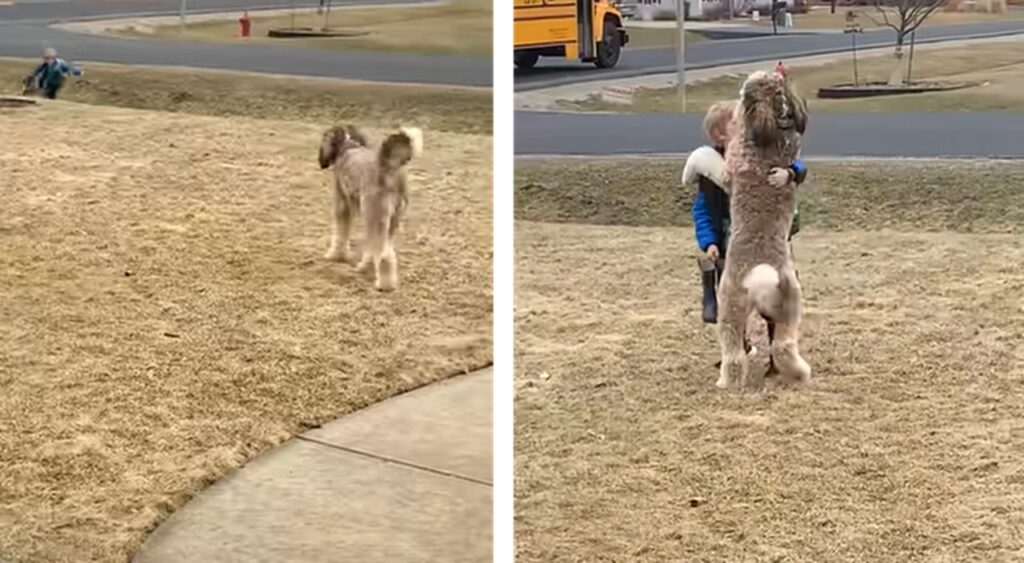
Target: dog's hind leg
x,y
731,332
732,355
379,248
387,265
340,250
786,354
758,346
389,259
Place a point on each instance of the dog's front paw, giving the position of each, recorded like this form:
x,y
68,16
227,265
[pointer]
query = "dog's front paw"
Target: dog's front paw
x,y
724,378
779,177
386,284
364,264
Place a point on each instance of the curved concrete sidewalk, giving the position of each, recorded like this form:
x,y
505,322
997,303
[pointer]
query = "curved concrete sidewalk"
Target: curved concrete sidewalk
x,y
406,480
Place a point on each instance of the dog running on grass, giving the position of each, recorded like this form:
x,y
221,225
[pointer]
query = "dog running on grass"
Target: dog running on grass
x,y
370,182
769,123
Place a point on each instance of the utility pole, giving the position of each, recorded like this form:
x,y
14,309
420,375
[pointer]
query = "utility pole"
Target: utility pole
x,y
681,56
181,16
910,63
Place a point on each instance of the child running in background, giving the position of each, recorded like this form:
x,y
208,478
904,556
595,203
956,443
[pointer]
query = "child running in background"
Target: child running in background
x,y
706,167
48,78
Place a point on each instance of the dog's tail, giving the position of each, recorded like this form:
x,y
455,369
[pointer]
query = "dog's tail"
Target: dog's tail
x,y
775,293
399,148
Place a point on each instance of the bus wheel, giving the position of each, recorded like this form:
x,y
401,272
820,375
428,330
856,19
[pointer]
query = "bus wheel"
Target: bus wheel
x,y
526,59
610,48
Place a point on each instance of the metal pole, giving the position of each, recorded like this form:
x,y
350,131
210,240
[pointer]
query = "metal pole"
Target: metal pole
x,y
181,16
910,63
681,57
856,78
327,16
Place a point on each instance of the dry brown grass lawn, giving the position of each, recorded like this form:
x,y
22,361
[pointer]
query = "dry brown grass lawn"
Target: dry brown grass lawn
x,y
996,67
250,95
905,449
166,316
461,27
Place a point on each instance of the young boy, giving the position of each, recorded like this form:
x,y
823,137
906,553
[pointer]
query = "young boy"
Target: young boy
x,y
49,76
706,166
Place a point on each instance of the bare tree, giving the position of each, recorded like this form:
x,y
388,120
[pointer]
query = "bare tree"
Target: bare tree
x,y
903,17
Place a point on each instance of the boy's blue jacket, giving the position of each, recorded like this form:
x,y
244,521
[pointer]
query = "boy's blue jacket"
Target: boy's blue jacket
x,y
704,218
702,223
52,74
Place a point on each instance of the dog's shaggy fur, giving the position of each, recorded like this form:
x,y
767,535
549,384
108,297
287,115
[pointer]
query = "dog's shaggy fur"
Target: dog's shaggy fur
x,y
759,276
370,182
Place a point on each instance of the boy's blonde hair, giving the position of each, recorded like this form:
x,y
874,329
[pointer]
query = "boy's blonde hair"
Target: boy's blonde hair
x,y
718,112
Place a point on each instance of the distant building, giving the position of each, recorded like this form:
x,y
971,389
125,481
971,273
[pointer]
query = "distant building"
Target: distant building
x,y
699,9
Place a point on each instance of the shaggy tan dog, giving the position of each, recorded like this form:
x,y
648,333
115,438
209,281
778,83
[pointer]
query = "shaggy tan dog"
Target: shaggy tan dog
x,y
759,276
370,182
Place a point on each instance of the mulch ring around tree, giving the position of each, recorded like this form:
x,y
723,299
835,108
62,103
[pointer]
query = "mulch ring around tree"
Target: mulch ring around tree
x,y
15,102
871,89
286,32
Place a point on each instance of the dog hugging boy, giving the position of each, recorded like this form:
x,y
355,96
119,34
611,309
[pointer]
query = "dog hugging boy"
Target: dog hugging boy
x,y
706,167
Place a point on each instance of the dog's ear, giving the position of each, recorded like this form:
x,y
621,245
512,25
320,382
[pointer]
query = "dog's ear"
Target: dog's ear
x,y
799,106
337,140
330,145
759,115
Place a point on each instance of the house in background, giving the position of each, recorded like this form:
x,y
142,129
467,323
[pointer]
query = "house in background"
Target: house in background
x,y
649,10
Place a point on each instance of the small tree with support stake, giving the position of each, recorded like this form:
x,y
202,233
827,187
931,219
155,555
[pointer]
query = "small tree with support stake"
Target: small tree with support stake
x,y
906,16
853,28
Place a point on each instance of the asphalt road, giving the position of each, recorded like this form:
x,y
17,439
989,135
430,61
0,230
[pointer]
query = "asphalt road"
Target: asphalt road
x,y
638,62
829,134
62,10
24,32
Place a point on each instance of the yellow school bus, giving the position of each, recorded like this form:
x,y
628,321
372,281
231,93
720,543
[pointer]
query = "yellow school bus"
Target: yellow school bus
x,y
583,30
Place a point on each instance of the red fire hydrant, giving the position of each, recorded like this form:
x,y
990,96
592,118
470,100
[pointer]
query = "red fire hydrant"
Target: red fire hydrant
x,y
245,24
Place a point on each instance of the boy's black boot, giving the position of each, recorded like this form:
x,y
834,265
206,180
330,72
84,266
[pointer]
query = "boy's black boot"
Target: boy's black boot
x,y
708,277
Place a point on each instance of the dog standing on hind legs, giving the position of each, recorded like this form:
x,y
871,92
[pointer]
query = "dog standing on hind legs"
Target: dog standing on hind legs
x,y
372,183
759,276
